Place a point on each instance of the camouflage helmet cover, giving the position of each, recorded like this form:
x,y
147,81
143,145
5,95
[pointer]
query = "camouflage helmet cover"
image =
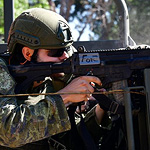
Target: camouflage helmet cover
x,y
39,28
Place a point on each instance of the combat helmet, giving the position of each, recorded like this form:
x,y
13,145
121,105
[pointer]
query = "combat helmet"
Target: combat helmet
x,y
39,28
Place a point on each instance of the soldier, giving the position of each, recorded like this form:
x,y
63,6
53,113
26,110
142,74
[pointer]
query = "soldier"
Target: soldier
x,y
29,122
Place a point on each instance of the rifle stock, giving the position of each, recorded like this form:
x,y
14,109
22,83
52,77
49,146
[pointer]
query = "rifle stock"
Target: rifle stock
x,y
108,65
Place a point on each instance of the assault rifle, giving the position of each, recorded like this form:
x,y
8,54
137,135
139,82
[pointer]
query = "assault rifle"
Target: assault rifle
x,y
109,65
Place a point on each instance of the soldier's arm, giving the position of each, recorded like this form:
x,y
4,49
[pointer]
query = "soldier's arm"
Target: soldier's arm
x,y
97,124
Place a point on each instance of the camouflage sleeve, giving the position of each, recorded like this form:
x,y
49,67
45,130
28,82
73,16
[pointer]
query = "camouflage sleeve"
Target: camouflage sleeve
x,y
25,123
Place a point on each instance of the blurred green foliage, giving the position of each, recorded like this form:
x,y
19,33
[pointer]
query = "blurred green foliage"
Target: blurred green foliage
x,y
19,6
139,14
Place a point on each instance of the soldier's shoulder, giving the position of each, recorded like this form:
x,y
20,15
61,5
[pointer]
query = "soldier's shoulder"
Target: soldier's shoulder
x,y
6,81
2,62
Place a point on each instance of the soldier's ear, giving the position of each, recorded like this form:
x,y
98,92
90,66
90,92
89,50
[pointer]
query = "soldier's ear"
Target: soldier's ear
x,y
27,53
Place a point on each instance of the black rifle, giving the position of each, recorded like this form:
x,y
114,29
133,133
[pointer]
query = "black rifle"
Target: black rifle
x,y
109,65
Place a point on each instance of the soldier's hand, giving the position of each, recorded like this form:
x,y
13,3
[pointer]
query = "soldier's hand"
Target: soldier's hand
x,y
79,85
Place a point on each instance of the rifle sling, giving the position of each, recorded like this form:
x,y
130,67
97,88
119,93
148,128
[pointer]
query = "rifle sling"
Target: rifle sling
x,y
86,138
109,105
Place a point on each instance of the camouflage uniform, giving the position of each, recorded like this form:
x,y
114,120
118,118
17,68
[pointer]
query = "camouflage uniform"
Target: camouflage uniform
x,y
23,122
27,121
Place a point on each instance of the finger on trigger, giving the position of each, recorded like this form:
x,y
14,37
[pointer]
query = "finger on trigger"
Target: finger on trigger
x,y
93,79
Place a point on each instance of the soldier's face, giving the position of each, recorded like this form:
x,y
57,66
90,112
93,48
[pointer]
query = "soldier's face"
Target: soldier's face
x,y
44,55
